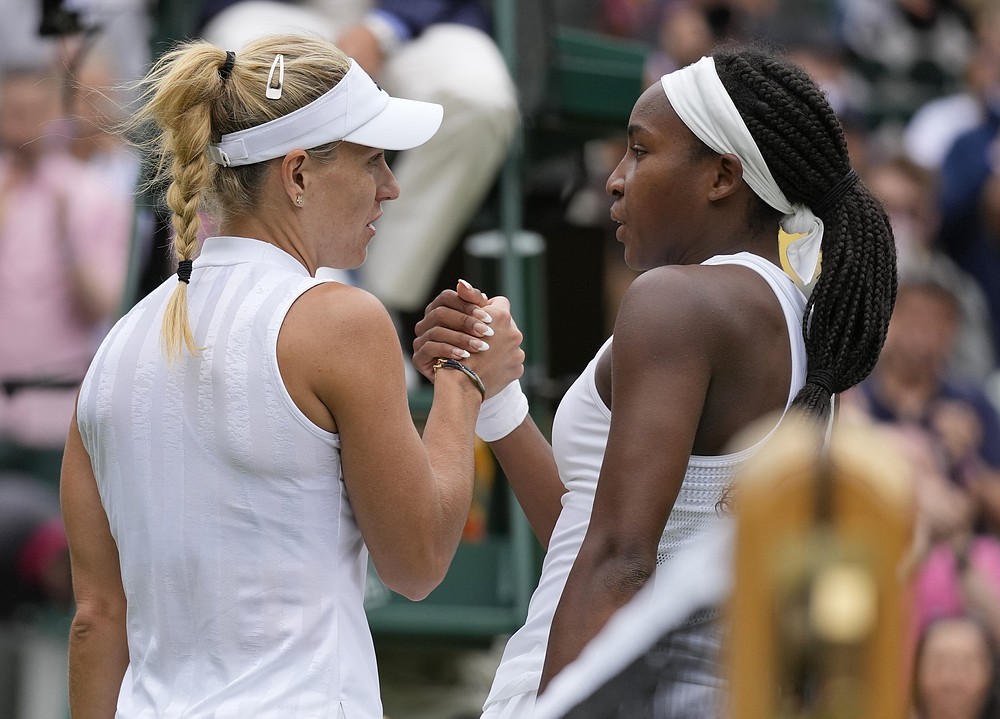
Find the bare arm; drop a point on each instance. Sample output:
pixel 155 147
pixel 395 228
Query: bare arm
pixel 660 378
pixel 410 495
pixel 450 322
pixel 98 651
pixel 530 468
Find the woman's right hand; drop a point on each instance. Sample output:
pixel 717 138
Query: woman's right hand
pixel 463 324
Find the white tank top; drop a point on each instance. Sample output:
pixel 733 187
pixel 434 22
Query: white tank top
pixel 242 563
pixel 579 439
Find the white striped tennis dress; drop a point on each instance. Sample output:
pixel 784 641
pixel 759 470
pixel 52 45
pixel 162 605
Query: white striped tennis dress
pixel 242 563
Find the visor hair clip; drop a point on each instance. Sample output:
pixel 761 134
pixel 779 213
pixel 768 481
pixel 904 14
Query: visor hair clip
pixel 272 92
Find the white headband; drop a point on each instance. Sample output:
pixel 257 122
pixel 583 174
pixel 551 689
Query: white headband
pixel 700 99
pixel 356 110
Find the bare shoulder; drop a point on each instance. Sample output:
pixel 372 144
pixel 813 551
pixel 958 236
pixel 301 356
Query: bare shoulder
pixel 713 334
pixel 678 295
pixel 338 353
pixel 702 305
pixel 338 318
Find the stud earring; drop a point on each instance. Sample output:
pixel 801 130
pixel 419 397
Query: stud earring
pixel 299 200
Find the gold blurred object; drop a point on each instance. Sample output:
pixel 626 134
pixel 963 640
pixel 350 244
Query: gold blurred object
pixel 819 609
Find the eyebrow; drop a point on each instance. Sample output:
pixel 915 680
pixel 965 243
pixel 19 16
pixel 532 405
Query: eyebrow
pixel 636 129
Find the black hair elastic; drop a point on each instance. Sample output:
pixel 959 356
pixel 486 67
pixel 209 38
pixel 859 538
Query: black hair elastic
pixel 830 199
pixel 821 378
pixel 184 271
pixel 227 68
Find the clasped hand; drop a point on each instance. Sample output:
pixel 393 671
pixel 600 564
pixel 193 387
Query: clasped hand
pixel 464 324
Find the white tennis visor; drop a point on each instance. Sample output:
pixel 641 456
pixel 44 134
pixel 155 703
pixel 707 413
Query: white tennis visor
pixel 356 110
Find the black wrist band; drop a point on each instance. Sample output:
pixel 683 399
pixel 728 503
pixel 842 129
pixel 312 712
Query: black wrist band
pixel 455 364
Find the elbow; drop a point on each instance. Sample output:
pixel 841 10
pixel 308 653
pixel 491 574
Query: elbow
pixel 94 617
pixel 417 578
pixel 413 587
pixel 416 591
pixel 621 567
pixel 631 576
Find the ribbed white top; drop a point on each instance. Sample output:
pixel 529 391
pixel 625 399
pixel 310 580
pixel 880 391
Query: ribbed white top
pixel 707 478
pixel 579 439
pixel 242 563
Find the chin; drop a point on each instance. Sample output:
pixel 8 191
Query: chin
pixel 634 263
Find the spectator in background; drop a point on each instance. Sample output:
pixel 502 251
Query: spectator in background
pixel 929 134
pixel 434 50
pixel 910 385
pixel 907 192
pixel 685 35
pixel 96 107
pixel 955 571
pixel 904 53
pixel 122 26
pixel 956 672
pixel 969 200
pixel 64 234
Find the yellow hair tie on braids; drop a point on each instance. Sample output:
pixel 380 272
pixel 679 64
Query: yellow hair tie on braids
pixel 785 239
pixel 823 205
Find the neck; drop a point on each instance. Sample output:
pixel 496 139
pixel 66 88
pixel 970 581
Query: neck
pixel 276 230
pixel 733 236
pixel 733 231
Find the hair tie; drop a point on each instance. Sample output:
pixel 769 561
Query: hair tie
pixel 830 199
pixel 184 271
pixel 821 378
pixel 227 67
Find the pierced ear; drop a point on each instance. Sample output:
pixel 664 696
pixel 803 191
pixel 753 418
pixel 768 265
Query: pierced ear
pixel 292 173
pixel 728 176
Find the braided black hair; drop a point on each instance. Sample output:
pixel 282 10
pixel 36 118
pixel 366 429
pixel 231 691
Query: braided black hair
pixel 803 144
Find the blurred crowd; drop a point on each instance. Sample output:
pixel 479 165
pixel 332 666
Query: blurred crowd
pixel 916 84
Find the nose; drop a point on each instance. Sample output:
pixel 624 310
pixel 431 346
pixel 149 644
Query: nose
pixel 615 185
pixel 388 188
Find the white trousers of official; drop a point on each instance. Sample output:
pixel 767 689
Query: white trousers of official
pixel 442 182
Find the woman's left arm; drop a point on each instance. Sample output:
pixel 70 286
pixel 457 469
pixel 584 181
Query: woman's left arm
pixel 661 367
pixel 98 651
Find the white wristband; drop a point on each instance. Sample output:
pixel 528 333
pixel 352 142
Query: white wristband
pixel 502 413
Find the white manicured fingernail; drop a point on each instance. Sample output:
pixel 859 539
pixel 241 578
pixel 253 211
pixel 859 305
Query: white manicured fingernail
pixel 479 345
pixel 461 354
pixel 482 315
pixel 463 282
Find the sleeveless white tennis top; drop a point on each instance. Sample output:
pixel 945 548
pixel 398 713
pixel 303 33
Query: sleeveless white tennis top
pixel 579 439
pixel 242 563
